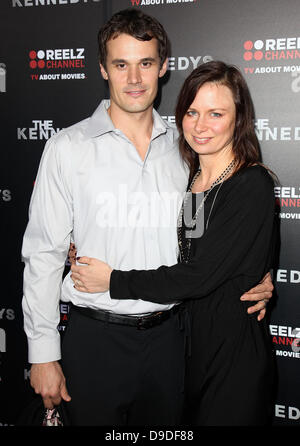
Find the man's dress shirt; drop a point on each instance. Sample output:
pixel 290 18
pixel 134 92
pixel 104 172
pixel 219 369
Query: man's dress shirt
pixel 93 188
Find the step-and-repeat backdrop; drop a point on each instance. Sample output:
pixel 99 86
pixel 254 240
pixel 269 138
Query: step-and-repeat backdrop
pixel 50 79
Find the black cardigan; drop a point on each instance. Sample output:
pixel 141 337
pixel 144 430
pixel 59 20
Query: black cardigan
pixel 235 249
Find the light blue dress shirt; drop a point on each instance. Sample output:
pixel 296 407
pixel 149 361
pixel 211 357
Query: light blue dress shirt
pixel 93 188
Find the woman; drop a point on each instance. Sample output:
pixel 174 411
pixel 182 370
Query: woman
pixel 225 236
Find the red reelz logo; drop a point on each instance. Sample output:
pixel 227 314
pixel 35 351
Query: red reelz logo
pixel 272 49
pixel 52 64
pixel 58 58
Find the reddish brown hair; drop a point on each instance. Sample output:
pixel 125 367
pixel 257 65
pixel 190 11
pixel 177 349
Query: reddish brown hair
pixel 245 143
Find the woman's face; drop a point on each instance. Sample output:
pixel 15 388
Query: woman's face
pixel 209 122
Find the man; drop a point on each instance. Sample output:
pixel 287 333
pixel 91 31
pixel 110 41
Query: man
pixel 110 181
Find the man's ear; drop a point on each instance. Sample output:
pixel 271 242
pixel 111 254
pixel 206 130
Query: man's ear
pixel 163 69
pixel 103 72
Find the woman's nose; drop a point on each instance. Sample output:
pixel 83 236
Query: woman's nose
pixel 200 125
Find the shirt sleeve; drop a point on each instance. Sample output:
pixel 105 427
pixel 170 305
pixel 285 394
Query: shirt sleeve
pixel 240 232
pixel 44 251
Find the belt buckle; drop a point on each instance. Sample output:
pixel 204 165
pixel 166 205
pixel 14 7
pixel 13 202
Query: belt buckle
pixel 140 325
pixel 149 322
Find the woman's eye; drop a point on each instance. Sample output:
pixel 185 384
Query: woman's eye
pixel 216 115
pixel 191 113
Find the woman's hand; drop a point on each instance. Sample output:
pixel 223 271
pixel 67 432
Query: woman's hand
pixel 93 276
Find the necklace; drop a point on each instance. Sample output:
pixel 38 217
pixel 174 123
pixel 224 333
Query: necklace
pixel 192 224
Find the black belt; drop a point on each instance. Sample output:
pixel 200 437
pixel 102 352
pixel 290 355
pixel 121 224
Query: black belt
pixel 140 322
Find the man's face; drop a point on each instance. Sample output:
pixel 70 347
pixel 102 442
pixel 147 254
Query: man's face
pixel 132 71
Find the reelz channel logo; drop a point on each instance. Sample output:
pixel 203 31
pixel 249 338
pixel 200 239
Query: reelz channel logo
pixel 45 62
pixel 2 78
pixel 273 51
pixel 286 341
pixel 288 200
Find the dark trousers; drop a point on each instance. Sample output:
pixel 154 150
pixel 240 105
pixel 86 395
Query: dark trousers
pixel 119 375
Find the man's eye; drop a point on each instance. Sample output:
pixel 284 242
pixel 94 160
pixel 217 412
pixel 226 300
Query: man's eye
pixel 121 66
pixel 146 64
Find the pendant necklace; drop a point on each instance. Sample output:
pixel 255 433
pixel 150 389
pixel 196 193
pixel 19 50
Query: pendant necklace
pixel 219 181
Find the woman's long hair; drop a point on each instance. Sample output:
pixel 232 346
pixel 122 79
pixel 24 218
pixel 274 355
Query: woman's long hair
pixel 245 144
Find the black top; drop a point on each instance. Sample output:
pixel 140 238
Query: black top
pixel 233 253
pixel 229 367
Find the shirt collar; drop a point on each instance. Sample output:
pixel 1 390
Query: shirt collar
pixel 160 126
pixel 100 123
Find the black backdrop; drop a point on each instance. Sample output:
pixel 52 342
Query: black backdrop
pixel 49 79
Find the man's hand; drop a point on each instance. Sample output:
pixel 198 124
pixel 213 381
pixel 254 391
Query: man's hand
pixel 92 277
pixel 261 293
pixel 48 380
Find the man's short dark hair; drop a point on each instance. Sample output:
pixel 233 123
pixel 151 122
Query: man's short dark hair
pixel 138 25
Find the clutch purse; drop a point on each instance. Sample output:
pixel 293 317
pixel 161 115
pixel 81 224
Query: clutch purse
pixel 35 414
pixel 52 418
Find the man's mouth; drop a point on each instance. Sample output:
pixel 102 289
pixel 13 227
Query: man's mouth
pixel 135 93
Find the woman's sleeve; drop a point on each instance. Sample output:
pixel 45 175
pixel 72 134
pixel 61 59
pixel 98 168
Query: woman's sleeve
pixel 242 226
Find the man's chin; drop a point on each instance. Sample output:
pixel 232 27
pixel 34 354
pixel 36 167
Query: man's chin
pixel 137 108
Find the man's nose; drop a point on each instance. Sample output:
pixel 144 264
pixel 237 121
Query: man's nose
pixel 134 75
